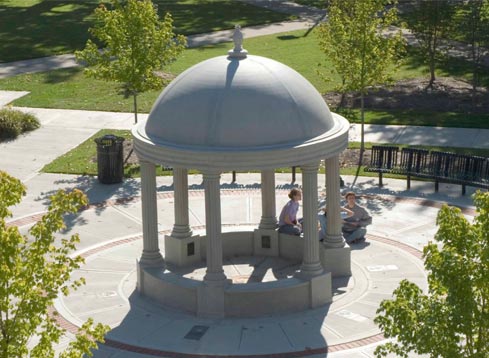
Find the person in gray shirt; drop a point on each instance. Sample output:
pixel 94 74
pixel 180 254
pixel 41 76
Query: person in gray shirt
pixel 354 227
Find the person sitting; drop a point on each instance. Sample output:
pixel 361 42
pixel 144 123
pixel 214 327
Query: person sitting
pixel 344 213
pixel 288 223
pixel 354 227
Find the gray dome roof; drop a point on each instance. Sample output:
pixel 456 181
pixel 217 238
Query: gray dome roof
pixel 239 113
pixel 238 103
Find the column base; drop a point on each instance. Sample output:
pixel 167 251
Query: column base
pixel 336 260
pixel 334 242
pixel 215 277
pixel 152 259
pixel 181 232
pixel 268 223
pixel 265 242
pixel 182 251
pixel 309 271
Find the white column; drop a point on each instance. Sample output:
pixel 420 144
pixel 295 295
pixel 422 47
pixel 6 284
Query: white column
pixel 268 207
pixel 311 265
pixel 334 236
pixel 151 255
pixel 215 271
pixel 181 228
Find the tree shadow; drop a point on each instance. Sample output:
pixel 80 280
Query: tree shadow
pixel 205 15
pixel 97 193
pixel 61 75
pixel 288 37
pixel 44 29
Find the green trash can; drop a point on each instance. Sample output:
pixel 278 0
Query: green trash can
pixel 110 160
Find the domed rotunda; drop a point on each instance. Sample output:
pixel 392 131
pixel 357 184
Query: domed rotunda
pixel 240 112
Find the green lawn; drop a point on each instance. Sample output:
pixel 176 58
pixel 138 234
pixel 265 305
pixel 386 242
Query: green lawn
pixel 82 159
pixel 420 118
pixel 38 28
pixel 69 88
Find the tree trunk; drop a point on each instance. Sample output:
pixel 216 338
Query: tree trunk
pixel 343 94
pixel 432 69
pixel 362 140
pixel 135 108
pixel 362 129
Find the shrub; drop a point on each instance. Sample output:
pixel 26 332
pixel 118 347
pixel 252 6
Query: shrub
pixel 13 123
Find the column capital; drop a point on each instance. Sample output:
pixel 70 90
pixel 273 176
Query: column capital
pixel 310 167
pixel 211 174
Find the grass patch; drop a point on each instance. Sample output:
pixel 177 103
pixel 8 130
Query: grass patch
pixel 82 159
pixel 70 89
pixel 13 123
pixel 35 28
pixel 419 118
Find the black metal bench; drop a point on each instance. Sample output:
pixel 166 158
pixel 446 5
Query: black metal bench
pixel 413 163
pixel 445 167
pixel 448 168
pixel 476 172
pixel 441 167
pixel 383 160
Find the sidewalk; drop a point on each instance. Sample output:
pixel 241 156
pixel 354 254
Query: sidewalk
pixel 308 17
pixel 61 130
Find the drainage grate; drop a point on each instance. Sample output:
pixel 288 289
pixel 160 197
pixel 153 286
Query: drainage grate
pixel 196 332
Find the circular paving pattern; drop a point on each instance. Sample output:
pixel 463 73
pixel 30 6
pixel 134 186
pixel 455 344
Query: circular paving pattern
pixel 143 327
pixel 110 297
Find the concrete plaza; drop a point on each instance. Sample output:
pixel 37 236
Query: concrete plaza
pixel 110 231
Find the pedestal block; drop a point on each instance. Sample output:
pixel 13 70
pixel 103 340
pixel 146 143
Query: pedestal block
pixel 182 251
pixel 336 260
pixel 210 299
pixel 265 242
pixel 321 290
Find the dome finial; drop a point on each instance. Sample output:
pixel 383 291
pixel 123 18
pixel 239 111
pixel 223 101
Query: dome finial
pixel 238 51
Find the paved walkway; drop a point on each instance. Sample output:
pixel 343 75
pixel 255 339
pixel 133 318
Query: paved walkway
pixel 403 223
pixel 63 130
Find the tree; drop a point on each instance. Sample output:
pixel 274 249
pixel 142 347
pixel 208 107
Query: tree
pixel 452 318
pixel 430 21
pixel 136 45
pixel 34 269
pixel 362 55
pixel 473 22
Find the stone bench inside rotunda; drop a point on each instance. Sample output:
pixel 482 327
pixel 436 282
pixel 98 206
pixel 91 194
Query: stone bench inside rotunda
pixel 174 288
